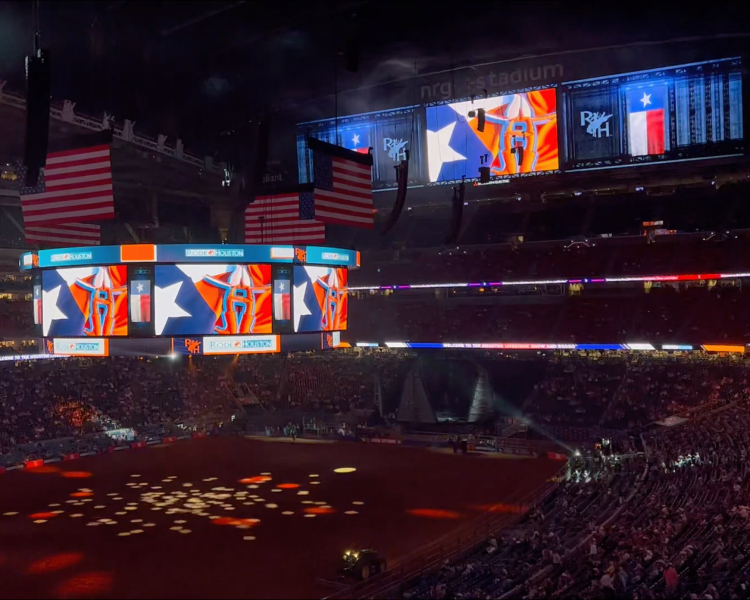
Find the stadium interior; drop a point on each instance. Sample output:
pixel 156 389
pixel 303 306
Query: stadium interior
pixel 462 298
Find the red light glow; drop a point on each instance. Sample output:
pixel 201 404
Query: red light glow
pixel 76 474
pixel 288 486
pixel 256 479
pixel 501 508
pixel 229 521
pixel 43 470
pixel 93 583
pixel 434 513
pixel 81 494
pixel 55 562
pixel 319 510
pixel 43 515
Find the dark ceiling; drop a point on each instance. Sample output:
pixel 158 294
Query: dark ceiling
pixel 197 68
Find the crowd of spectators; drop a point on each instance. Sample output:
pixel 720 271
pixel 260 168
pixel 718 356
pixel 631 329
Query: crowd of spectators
pixel 47 399
pixel 562 260
pixel 694 315
pixel 628 391
pixel 61 398
pixel 664 514
pixel 672 521
pixel 16 317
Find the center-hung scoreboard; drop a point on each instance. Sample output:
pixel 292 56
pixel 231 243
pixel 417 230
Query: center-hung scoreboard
pixel 157 299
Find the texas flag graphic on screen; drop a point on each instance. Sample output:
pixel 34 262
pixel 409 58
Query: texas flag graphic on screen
pixel 646 120
pixel 282 306
pixel 356 139
pixel 140 301
pixel 37 305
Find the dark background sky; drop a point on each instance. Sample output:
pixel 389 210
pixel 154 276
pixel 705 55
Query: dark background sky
pixel 194 69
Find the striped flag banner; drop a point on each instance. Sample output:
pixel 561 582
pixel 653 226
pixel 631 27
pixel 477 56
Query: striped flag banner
pixel 283 219
pixel 75 187
pixel 69 234
pixel 343 185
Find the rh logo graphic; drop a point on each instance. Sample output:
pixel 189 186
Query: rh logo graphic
pixel 193 346
pixel 395 148
pixel 596 123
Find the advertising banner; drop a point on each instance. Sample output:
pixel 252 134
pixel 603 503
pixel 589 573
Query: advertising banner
pixel 259 344
pixel 80 347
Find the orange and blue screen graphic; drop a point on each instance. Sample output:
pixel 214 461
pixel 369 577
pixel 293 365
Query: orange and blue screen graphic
pixel 320 299
pixel 519 137
pixel 85 301
pixel 206 299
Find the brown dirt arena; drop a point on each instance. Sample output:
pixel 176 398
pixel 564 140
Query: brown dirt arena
pixel 183 538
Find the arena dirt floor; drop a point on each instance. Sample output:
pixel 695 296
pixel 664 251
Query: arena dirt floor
pixel 233 517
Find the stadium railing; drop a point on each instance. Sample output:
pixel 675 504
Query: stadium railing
pixel 66 113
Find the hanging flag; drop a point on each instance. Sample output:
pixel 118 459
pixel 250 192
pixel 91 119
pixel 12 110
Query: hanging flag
pixel 286 218
pixel 342 181
pixel 140 301
pixel 76 186
pixel 646 120
pixel 68 234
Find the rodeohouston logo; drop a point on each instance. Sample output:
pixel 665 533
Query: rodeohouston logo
pixel 214 253
pixel 240 345
pixel 79 347
pixel 335 256
pixel 489 82
pixel 69 256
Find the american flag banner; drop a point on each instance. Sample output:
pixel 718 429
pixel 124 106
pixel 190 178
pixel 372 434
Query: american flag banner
pixel 286 218
pixel 343 185
pixel 76 187
pixel 69 234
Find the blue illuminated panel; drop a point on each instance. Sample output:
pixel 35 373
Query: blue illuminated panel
pixel 684 112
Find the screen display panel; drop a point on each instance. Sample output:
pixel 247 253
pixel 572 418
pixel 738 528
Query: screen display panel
pixel 683 112
pixel 320 299
pixel 85 301
pixel 519 136
pixel 207 299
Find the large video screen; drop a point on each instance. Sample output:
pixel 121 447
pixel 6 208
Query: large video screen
pixel 85 301
pixel 668 114
pixel 390 134
pixel 320 299
pixel 519 137
pixel 206 299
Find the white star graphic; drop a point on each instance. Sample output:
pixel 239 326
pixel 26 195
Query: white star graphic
pixel 166 306
pixel 281 286
pixel 355 139
pixel 646 100
pixel 439 150
pixel 73 274
pixel 140 287
pixel 50 310
pixel 300 308
pixel 198 272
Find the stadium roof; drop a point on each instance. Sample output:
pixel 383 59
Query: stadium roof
pixel 195 69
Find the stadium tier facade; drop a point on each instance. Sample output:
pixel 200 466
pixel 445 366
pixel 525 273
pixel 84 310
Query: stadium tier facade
pixel 170 299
